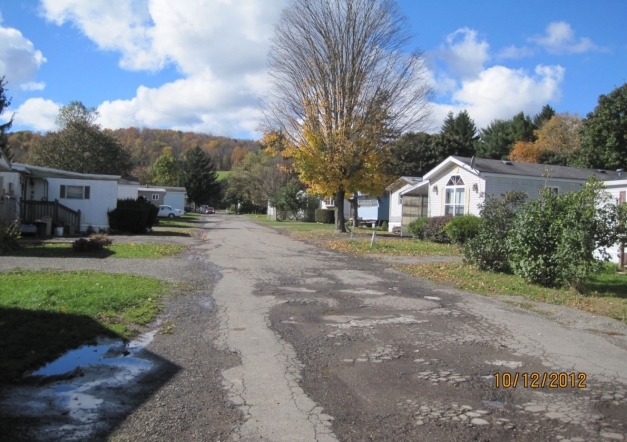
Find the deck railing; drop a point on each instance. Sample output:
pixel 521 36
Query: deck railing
pixel 61 215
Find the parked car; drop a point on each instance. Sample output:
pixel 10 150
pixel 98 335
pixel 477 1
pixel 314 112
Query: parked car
pixel 210 210
pixel 169 212
pixel 201 209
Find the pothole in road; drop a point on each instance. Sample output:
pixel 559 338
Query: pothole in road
pixel 68 397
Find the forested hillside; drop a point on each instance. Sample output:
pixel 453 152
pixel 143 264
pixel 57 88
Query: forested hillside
pixel 146 145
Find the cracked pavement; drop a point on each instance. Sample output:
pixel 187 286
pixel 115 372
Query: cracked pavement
pixel 290 342
pixel 338 347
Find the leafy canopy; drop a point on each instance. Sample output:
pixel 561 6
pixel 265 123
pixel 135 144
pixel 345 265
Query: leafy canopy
pixel 80 146
pixel 4 128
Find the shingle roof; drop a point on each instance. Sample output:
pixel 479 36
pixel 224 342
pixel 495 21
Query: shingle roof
pixel 484 165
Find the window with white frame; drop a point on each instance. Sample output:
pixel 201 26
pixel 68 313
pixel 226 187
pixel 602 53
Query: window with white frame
pixel 155 196
pixel 75 192
pixel 455 196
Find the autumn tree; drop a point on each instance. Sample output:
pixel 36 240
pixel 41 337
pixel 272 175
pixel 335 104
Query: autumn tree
pixel 604 133
pixel 556 141
pixel 342 88
pixel 255 179
pixel 80 145
pixel 4 128
pixel 199 177
pixel 165 171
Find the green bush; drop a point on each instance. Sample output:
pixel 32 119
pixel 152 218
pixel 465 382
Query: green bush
pixel 434 229
pixel 133 216
pixel 462 228
pixel 417 227
pixel 325 216
pixel 384 226
pixel 553 240
pixel 9 234
pixel 488 249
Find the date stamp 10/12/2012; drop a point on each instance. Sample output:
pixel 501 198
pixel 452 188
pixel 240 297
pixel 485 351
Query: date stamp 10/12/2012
pixel 540 380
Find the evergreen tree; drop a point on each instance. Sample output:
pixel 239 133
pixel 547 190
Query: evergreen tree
pixel 495 141
pixel 463 128
pixel 199 177
pixel 544 116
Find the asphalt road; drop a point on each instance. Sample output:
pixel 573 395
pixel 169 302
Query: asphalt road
pixel 290 342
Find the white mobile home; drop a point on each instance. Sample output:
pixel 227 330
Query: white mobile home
pixel 73 199
pixel 128 187
pixel 618 189
pixel 175 197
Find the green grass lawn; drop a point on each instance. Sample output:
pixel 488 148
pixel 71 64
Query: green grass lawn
pixel 396 246
pixel 223 174
pixel 46 313
pixel 605 294
pixel 120 250
pixel 188 221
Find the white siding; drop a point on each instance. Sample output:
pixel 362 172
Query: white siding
pixel 614 188
pixel 496 185
pixel 126 191
pixel 103 197
pixel 436 200
pixel 174 199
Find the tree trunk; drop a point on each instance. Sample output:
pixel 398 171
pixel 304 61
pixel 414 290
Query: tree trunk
pixel 355 209
pixel 339 211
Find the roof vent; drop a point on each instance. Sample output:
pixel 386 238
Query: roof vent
pixel 601 171
pixel 509 163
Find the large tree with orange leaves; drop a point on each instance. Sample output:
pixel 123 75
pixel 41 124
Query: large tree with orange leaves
pixel 343 88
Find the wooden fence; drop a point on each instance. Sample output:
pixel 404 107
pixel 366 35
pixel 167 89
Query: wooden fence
pixel 60 214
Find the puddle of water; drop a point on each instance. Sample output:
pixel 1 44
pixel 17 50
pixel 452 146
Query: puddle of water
pixel 494 404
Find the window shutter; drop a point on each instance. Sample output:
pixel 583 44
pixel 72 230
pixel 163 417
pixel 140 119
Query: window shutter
pixel 62 191
pixel 621 196
pixel 87 191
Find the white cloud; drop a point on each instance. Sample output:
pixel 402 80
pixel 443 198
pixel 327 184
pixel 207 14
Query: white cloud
pixel 219 46
pixel 33 86
pixel 202 102
pixel 38 114
pixel 501 92
pixel 19 60
pixel 560 38
pixel 464 54
pixel 515 52
pixel 225 35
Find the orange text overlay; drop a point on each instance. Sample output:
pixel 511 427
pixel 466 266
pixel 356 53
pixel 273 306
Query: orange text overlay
pixel 540 380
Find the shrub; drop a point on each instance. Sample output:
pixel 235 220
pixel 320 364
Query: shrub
pixel 462 228
pixel 133 216
pixel 325 216
pixel 434 229
pixel 417 227
pixel 384 226
pixel 9 234
pixel 553 240
pixel 93 244
pixel 488 249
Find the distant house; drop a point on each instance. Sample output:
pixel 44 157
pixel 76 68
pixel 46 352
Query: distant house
pixel 156 195
pixel 373 209
pixel 395 200
pixel 175 197
pixel 329 203
pixel 458 185
pixel 71 199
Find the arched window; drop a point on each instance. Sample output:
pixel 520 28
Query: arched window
pixel 455 196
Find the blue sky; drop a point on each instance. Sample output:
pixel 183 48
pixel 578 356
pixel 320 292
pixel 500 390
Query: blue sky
pixel 200 64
